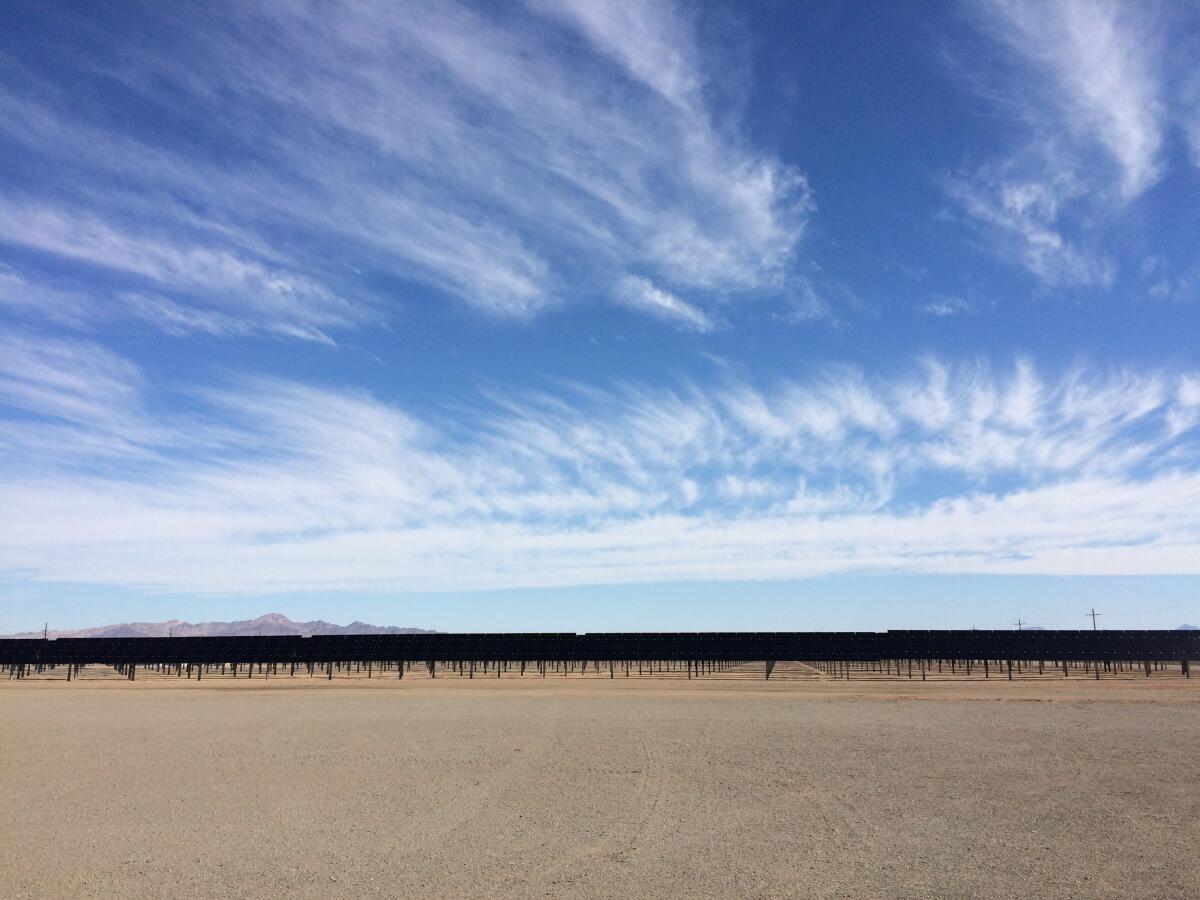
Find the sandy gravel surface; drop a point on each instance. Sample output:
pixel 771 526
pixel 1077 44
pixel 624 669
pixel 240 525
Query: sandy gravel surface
pixel 599 788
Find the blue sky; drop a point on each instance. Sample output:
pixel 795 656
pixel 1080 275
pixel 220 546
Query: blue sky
pixel 586 316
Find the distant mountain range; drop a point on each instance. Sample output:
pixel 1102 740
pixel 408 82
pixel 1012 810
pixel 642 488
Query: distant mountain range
pixel 270 624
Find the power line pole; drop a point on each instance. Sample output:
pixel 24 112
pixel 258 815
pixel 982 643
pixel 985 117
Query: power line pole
pixel 1093 615
pixel 46 632
pixel 1019 624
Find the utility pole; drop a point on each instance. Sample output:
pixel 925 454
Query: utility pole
pixel 1093 615
pixel 46 632
pixel 1019 624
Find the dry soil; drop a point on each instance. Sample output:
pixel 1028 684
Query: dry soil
pixel 600 788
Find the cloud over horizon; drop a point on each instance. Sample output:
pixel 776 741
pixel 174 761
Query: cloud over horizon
pixel 276 484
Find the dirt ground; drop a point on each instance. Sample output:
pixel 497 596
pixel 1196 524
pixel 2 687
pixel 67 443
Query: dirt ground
pixel 803 786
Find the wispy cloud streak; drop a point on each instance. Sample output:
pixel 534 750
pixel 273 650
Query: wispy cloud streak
pixel 465 149
pixel 1098 56
pixel 642 295
pixel 1083 81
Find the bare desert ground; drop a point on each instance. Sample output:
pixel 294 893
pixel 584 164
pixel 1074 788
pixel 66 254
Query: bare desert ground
pixel 805 786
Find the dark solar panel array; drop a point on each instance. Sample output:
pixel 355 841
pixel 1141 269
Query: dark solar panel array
pixel 711 646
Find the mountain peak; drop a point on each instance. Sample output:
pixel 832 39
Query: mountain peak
pixel 268 624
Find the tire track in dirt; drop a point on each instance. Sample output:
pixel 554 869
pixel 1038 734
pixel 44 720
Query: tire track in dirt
pixel 645 816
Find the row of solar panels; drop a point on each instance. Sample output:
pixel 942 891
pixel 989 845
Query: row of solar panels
pixel 1074 645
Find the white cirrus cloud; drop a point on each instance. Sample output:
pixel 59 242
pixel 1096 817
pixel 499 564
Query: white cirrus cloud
pixel 1098 57
pixel 641 295
pixel 270 484
pixel 1018 210
pixel 1087 85
pixel 497 157
pixel 943 306
pixel 222 284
